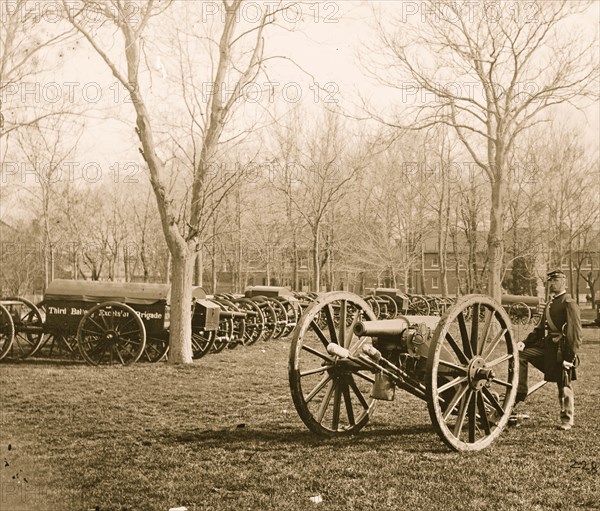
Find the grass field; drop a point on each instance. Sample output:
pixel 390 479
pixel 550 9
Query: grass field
pixel 223 435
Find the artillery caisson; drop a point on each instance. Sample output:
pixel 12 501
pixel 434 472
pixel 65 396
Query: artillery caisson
pixel 113 322
pixel 463 364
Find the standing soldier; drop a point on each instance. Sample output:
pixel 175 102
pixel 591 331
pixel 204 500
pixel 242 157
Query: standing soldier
pixel 552 348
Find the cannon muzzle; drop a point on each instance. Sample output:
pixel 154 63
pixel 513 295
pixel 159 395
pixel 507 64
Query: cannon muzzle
pixel 381 327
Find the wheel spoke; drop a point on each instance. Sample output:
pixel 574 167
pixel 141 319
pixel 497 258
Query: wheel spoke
pixel 472 418
pixel 456 381
pixel 456 348
pixel 101 328
pixel 348 403
pixel 129 332
pixel 483 414
pixel 499 360
pixel 462 412
pixel 316 370
pixel 503 383
pixel 455 399
pixel 462 325
pixel 491 399
pixel 337 395
pixel 350 331
pixel 317 353
pixel 358 394
pixel 486 331
pixel 329 317
pixel 317 329
pixel 342 327
pixel 474 329
pixel 318 387
pixel 326 399
pixel 119 355
pixel 494 343
pixel 459 369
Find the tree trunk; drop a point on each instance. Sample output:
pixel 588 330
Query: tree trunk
pixel 316 260
pixel 181 299
pixel 295 272
pixel 422 269
pixel 199 268
pixel 213 269
pixel 495 249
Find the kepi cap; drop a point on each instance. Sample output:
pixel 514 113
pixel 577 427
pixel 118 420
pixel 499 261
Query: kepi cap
pixel 555 274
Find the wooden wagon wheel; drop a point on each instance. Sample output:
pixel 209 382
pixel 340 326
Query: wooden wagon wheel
pixel 374 304
pixel 281 316
pixel 236 334
pixel 255 320
pixel 111 332
pixel 28 325
pixel 293 311
pixel 270 324
pixel 157 347
pixel 7 331
pixel 224 331
pixel 418 306
pixel 519 313
pixel 472 371
pixel 202 342
pixel 54 344
pixel 223 335
pixel 331 394
pixel 390 311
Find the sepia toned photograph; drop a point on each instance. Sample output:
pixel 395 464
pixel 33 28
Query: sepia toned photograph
pixel 290 255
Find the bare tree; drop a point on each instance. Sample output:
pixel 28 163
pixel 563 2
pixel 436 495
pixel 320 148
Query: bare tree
pixel 323 171
pixel 46 156
pixel 237 59
pixel 489 79
pixel 25 43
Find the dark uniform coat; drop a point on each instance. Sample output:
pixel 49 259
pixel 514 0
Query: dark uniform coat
pixel 559 335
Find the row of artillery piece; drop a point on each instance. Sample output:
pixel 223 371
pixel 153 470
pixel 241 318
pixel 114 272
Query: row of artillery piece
pixel 346 354
pixel 103 322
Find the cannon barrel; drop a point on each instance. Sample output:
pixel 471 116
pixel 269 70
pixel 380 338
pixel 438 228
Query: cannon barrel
pixel 381 327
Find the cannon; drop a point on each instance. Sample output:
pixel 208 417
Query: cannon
pixel 464 364
pixel 286 306
pixel 523 310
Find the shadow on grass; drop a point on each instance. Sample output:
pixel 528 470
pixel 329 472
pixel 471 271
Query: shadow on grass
pixel 58 362
pixel 414 438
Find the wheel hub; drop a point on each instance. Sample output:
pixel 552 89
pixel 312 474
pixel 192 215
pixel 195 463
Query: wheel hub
pixel 478 374
pixel 111 336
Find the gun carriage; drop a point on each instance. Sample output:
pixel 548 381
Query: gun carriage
pixel 523 310
pixel 464 365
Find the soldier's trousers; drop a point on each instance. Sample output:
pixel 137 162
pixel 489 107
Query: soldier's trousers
pixel 535 356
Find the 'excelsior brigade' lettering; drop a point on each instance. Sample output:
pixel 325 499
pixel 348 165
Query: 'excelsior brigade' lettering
pixel 149 315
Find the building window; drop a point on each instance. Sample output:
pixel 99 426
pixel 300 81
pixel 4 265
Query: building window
pixel 303 261
pixel 435 282
pixel 435 260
